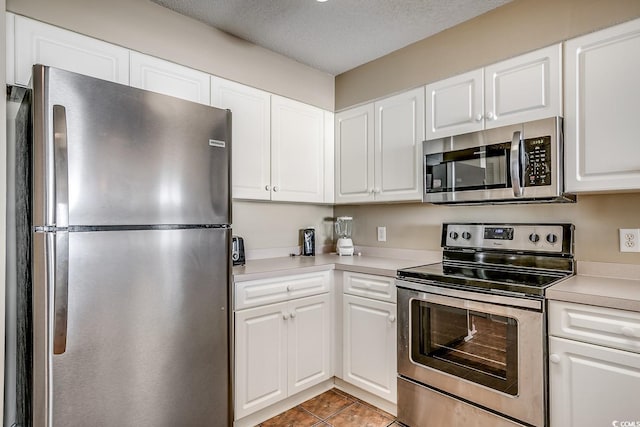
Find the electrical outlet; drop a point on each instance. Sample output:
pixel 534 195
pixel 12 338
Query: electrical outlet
pixel 630 240
pixel 382 234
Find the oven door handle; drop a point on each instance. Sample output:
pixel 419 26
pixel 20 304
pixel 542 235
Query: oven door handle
pixel 516 166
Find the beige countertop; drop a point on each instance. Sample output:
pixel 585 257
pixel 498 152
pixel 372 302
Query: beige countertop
pixel 599 287
pixel 612 292
pixel 271 267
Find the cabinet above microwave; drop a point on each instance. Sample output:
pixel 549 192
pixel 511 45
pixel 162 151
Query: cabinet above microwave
pixel 520 89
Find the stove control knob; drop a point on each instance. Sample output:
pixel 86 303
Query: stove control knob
pixel 466 235
pixel 552 238
pixel 453 235
pixel 534 237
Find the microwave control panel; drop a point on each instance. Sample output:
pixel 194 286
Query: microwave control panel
pixel 537 164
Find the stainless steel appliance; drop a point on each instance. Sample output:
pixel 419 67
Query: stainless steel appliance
pixel 513 164
pixel 308 240
pixel 472 332
pixel 344 227
pixel 123 317
pixel 237 250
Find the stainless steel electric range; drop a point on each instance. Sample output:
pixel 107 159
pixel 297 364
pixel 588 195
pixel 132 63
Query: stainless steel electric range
pixel 472 332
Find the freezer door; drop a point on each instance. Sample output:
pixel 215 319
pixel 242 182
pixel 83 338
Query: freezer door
pixel 108 154
pixel 146 329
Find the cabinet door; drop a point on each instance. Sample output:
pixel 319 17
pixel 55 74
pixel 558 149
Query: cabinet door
pixel 369 345
pixel 524 88
pixel 297 151
pixel 602 151
pixel 329 158
pixel 399 132
pixel 168 78
pixel 309 353
pixel 261 357
pixel 455 105
pixel 591 385
pixel 251 137
pixel 38 43
pixel 355 155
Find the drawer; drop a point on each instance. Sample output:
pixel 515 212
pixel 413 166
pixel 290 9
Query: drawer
pixel 369 286
pixel 596 325
pixel 253 293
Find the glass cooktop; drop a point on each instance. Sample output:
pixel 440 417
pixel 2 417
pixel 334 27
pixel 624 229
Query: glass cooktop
pixel 483 278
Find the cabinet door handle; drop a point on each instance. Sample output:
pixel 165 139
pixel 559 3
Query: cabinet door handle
pixel 490 115
pixel 376 190
pixel 289 288
pixel 479 118
pixel 285 316
pixel 391 318
pixel 554 358
pixel 267 187
pixel 293 314
pixel 275 188
pixel 371 190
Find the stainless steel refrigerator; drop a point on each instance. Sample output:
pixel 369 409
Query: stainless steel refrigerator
pixel 129 236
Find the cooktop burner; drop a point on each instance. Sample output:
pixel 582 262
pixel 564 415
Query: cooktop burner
pixel 513 259
pixel 483 278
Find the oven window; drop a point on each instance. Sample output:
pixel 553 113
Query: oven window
pixel 471 169
pixel 476 346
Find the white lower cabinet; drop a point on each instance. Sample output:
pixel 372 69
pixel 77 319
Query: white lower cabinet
pixel 280 350
pixel 369 345
pixel 594 365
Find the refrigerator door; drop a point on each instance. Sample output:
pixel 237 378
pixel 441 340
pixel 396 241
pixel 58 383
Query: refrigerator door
pixel 145 328
pixel 108 154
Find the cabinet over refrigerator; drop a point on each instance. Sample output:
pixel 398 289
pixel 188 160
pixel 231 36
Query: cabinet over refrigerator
pixel 124 300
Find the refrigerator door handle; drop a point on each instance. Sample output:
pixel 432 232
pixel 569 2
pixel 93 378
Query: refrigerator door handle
pixel 61 219
pixel 58 262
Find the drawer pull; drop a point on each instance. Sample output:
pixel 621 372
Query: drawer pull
pixel 293 314
pixel 285 316
pixel 554 358
pixel 392 318
pixel 628 331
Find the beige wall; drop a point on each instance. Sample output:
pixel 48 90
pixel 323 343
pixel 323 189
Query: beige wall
pixel 515 28
pixel 266 225
pixel 418 226
pixel 146 27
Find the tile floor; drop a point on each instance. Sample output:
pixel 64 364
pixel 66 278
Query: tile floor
pixel 333 408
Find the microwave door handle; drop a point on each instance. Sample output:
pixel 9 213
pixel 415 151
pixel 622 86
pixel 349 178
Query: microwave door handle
pixel 515 164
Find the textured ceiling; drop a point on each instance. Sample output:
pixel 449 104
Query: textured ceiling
pixel 337 35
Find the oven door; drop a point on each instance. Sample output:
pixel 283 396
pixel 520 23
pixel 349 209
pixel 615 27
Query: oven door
pixel 484 352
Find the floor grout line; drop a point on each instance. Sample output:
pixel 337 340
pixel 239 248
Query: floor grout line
pixel 322 422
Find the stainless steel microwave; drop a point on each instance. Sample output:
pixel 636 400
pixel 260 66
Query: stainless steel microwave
pixel 511 164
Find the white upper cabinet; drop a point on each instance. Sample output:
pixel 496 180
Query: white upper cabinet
pixel 39 43
pixel 251 137
pixel 378 150
pixel 297 151
pixel 168 78
pixel 602 125
pixel 399 132
pixel 527 87
pixel 454 105
pixel 354 155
